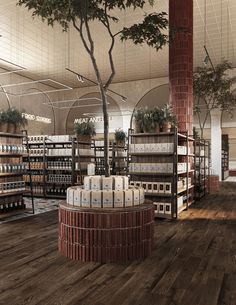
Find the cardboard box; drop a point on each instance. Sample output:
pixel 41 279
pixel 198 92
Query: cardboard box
pixel 161 208
pixel 107 183
pixel 149 187
pixel 167 187
pixel 107 199
pixel 168 208
pixel 77 197
pixel 155 187
pixel 161 187
pixel 128 198
pixel 86 198
pixel 118 199
pixel 96 200
pixel 136 198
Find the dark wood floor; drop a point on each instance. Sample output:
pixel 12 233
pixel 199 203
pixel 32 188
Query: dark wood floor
pixel 193 263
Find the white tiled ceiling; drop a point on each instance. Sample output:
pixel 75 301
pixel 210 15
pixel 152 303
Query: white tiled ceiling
pixel 45 52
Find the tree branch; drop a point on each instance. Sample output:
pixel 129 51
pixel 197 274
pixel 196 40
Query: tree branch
pixel 110 51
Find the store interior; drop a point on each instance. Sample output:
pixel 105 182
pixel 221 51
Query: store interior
pixel 117 185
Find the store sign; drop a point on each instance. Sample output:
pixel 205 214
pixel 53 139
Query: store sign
pixel 96 119
pixel 37 118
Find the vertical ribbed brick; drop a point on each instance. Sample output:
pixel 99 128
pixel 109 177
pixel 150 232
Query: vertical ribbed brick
pixel 103 236
pixel 181 62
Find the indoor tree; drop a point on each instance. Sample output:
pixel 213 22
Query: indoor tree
pixel 82 13
pixel 213 90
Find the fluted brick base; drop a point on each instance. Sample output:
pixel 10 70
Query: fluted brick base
pixel 111 235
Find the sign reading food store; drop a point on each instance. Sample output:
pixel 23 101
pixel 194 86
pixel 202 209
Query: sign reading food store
pixel 37 118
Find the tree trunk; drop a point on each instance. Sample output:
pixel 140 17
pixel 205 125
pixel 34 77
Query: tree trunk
pixel 106 130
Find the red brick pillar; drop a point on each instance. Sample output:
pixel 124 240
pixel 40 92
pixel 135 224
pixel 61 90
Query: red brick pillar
pixel 181 63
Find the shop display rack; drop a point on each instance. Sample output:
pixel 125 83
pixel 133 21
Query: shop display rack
pixel 202 167
pixel 12 169
pixel 225 156
pixel 162 163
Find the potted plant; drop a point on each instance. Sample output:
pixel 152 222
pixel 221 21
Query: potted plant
pixel 120 137
pixel 147 120
pixel 3 121
pixel 167 118
pixel 85 131
pixel 11 120
pixel 15 120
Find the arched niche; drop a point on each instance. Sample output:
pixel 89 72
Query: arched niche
pixel 89 107
pixel 157 96
pixel 39 106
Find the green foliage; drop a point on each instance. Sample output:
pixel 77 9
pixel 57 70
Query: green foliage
pixel 85 129
pixel 3 117
pixel 13 116
pixel 167 116
pixel 64 12
pixel 212 90
pixel 120 135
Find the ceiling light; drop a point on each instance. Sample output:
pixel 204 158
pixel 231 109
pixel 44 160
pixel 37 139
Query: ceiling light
pixel 16 68
pixel 42 82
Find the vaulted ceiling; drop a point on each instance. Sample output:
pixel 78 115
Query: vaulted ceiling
pixel 45 52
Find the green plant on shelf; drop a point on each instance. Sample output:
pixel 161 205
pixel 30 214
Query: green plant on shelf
pixel 11 120
pixel 167 118
pixel 85 130
pixel 120 136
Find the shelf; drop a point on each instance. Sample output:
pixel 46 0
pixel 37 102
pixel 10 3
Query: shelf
pixel 11 155
pixel 182 208
pixel 61 156
pixel 13 193
pixel 184 190
pixel 35 182
pixel 157 194
pixel 11 135
pixel 59 169
pixel 11 174
pixel 150 174
pixel 152 154
pixel 151 134
pixel 85 156
pixel 59 183
pixel 55 196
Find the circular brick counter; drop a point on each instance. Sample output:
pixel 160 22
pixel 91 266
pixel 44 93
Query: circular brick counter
pixel 106 235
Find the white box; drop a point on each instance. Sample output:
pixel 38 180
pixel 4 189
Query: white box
pixel 167 188
pixel 138 183
pixel 96 200
pixel 85 198
pixel 155 187
pixel 164 147
pixel 118 199
pixel 118 183
pixel 125 183
pixel 77 197
pixel 144 186
pixel 171 147
pixel 180 201
pixel 107 199
pixel 149 187
pixel 137 167
pixel 128 198
pixel 161 208
pixel 107 183
pixel 87 183
pixel 96 183
pixel 141 195
pixel 161 187
pixel 147 148
pixel 132 183
pixel 168 208
pixel 136 198
pixel 70 196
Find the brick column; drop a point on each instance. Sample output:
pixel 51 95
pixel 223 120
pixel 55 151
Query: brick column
pixel 181 63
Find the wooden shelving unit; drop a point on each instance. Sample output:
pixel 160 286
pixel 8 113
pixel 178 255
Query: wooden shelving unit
pixel 225 156
pixel 56 165
pixel 12 169
pixel 202 167
pixel 162 163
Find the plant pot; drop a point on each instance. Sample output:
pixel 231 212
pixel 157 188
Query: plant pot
pixel 157 129
pixel 120 143
pixel 17 129
pixel 137 128
pixel 11 128
pixel 166 127
pixel 4 127
pixel 84 138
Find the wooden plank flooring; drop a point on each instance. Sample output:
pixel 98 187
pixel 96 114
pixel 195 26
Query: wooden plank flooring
pixel 193 263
